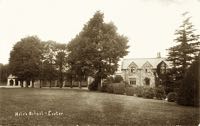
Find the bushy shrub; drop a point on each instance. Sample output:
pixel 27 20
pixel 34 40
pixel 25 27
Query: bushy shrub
pixel 117 79
pixel 109 88
pixel 118 88
pixel 188 93
pixel 148 92
pixel 139 91
pixel 159 92
pixel 172 97
pixel 169 86
pixel 130 91
pixel 109 79
pixel 93 86
pixel 103 88
pixel 127 84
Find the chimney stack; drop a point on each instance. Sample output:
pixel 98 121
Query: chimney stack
pixel 158 55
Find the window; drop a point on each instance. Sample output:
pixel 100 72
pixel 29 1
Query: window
pixel 148 70
pixel 132 81
pixel 133 70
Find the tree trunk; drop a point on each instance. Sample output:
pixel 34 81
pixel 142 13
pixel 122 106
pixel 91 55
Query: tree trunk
pixel 71 83
pixel 21 83
pixel 33 84
pixel 50 84
pixel 98 83
pixel 40 83
pixel 80 85
pixel 27 83
pixel 61 83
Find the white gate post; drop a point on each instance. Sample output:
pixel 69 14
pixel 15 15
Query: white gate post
pixel 8 82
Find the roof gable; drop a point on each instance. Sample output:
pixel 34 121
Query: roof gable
pixel 141 61
pixel 147 65
pixel 132 65
pixel 163 63
pixel 11 76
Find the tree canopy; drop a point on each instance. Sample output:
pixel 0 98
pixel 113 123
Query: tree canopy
pixel 32 59
pixel 96 50
pixel 25 57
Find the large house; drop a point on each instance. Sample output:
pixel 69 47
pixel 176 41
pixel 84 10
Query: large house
pixel 143 71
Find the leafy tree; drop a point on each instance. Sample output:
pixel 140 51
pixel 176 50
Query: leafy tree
pixel 47 67
pixel 25 59
pixel 79 65
pixel 184 53
pixel 96 50
pixel 61 64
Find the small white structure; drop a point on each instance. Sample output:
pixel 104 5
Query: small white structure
pixel 90 80
pixel 12 81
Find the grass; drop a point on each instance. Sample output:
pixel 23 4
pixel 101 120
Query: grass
pixel 3 83
pixel 81 107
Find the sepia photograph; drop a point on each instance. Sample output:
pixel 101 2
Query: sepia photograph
pixel 99 62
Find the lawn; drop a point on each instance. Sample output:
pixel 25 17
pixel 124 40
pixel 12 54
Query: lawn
pixel 82 107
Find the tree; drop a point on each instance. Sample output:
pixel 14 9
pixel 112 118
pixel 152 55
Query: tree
pixel 25 59
pixel 61 64
pixel 96 50
pixel 47 67
pixel 185 52
pixel 78 64
pixel 189 89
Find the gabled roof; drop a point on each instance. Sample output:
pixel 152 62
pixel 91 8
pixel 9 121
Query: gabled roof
pixel 147 64
pixel 141 61
pixel 12 76
pixel 132 64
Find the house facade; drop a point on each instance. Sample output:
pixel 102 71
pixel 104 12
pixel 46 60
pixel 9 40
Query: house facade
pixel 143 71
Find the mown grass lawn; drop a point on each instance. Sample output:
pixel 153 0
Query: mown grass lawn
pixel 89 108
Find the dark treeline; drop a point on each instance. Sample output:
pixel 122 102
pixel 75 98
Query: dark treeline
pixel 95 52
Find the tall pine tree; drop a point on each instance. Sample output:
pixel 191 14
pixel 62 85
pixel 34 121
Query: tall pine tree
pixel 185 52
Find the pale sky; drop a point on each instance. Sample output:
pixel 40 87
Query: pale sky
pixel 149 24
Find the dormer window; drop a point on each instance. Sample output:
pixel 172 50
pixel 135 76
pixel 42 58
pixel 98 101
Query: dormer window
pixel 133 70
pixel 147 67
pixel 147 70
